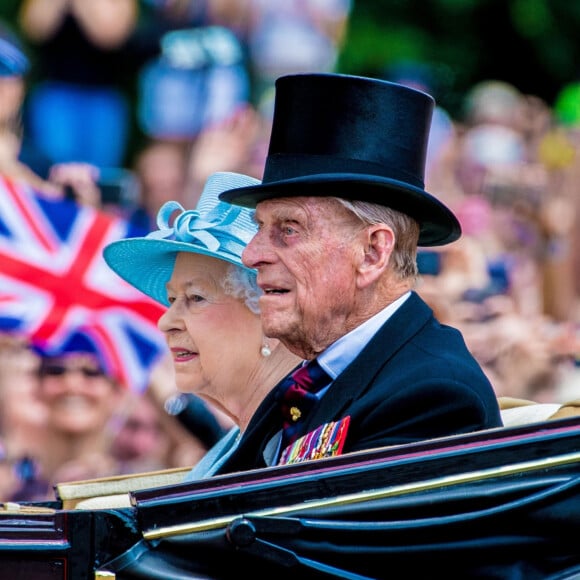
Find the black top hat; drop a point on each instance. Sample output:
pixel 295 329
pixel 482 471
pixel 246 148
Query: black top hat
pixel 356 138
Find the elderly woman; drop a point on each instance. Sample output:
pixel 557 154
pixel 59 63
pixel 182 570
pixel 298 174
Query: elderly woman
pixel 212 323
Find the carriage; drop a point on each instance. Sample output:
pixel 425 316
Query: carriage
pixel 500 503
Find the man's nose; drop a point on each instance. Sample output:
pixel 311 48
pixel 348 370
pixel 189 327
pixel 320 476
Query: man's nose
pixel 254 252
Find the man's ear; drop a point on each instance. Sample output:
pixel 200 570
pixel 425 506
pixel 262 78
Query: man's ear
pixel 378 247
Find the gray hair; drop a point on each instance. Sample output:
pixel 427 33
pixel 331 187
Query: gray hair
pixel 241 283
pixel 406 231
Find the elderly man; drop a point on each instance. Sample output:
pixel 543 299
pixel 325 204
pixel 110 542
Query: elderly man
pixel 341 211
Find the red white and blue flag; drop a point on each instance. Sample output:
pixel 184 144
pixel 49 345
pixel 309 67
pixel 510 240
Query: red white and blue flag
pixel 57 291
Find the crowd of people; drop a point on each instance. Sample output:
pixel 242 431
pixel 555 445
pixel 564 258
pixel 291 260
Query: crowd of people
pixel 512 283
pixel 507 168
pixel 64 418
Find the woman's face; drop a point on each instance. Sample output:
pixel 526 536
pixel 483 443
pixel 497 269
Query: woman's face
pixel 80 398
pixel 214 339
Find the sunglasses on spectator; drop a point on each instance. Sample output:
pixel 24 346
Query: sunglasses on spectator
pixel 55 370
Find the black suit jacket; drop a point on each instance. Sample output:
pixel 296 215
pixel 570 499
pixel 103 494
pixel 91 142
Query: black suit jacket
pixel 414 380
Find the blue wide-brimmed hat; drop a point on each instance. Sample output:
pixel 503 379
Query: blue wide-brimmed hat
pixel 352 137
pixel 214 228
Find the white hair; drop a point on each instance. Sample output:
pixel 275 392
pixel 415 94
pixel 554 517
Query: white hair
pixel 406 231
pixel 241 283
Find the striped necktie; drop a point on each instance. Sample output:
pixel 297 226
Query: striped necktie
pixel 298 396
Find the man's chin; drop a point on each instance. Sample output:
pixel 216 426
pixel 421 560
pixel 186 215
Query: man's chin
pixel 274 325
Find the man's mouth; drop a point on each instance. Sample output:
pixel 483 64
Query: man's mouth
pixel 270 290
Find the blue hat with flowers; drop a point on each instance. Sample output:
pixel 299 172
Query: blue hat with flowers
pixel 214 228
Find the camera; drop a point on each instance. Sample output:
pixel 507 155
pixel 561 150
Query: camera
pixel 117 186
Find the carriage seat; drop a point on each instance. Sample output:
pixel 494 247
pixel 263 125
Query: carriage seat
pixel 523 411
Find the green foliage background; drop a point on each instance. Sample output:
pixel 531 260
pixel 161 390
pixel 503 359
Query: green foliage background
pixel 533 44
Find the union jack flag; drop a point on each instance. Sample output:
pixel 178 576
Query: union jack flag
pixel 57 291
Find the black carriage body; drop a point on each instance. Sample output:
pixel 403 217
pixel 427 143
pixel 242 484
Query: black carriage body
pixel 503 503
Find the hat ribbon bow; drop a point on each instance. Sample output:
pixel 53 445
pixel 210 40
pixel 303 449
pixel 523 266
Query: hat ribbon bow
pixel 190 226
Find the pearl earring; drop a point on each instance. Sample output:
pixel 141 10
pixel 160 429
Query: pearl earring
pixel 265 352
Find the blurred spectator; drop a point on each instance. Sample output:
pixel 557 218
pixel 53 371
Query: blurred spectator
pixel 78 108
pixel 148 439
pixel 192 100
pixel 237 144
pixel 160 168
pixel 293 36
pixel 80 179
pixel 22 421
pixel 19 158
pixel 62 418
pixel 114 190
pixel 163 429
pixel 82 402
pixel 526 356
pixel 177 170
pixel 199 79
pixel 139 443
pixel 156 18
pixel 165 170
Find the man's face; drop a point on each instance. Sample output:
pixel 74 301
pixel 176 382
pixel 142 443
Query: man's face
pixel 306 251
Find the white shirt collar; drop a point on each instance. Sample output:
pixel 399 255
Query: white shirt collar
pixel 342 352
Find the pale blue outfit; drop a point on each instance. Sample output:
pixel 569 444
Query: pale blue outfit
pixel 216 456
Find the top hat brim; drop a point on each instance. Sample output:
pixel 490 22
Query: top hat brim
pixel 438 225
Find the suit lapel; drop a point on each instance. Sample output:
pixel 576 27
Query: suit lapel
pixel 358 376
